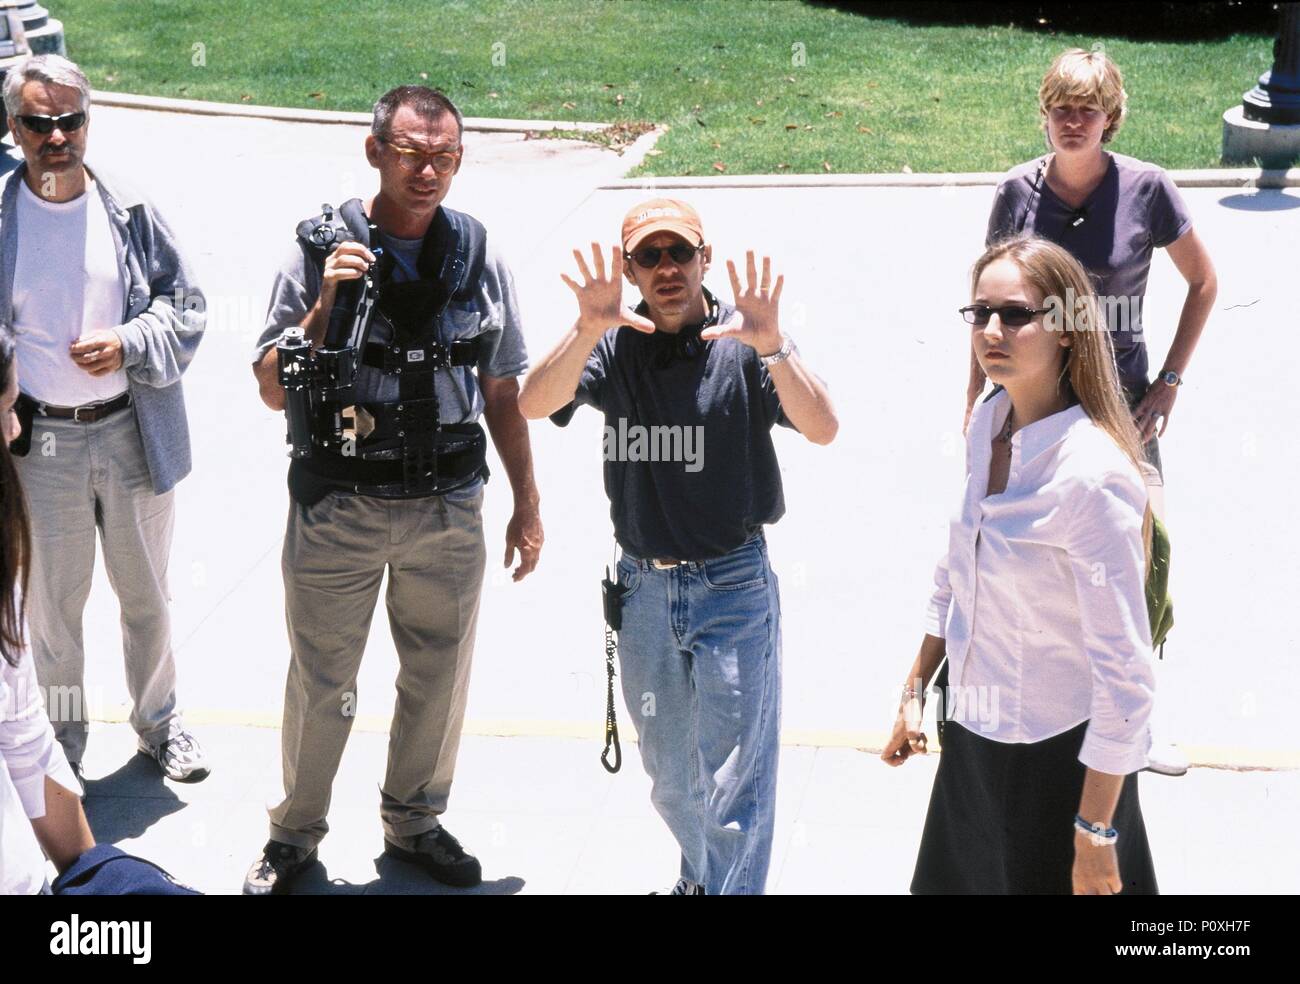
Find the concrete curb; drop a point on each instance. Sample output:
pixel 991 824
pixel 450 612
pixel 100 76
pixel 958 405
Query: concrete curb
pixel 1243 177
pixel 636 152
pixel 868 742
pixel 198 107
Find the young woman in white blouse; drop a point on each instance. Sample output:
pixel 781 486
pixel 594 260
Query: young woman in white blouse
pixel 1039 607
pixel 40 808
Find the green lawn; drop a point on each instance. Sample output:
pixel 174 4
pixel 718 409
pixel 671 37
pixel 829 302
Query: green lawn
pixel 746 87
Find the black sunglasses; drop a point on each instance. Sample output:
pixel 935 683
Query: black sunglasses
pixel 46 124
pixel 649 256
pixel 1011 315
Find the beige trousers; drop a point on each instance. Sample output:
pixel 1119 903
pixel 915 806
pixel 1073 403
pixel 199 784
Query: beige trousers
pixel 85 481
pixel 335 555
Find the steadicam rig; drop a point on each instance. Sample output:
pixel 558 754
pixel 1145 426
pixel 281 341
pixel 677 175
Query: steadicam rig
pixel 318 383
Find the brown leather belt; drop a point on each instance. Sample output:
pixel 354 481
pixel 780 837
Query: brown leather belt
pixel 87 414
pixel 666 564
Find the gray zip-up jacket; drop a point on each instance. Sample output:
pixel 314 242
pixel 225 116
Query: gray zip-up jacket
pixel 162 321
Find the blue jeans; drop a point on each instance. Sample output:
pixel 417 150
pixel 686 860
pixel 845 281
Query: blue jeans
pixel 700 652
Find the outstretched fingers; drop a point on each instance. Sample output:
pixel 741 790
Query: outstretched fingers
pixel 731 328
pixel 735 279
pixel 634 320
pixel 582 267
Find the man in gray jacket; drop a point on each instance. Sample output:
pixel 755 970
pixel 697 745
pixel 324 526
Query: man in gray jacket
pixel 106 317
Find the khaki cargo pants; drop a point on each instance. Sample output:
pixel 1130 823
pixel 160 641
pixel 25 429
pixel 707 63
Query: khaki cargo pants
pixel 335 555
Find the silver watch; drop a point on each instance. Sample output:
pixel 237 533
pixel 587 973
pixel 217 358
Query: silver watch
pixel 1171 378
pixel 781 354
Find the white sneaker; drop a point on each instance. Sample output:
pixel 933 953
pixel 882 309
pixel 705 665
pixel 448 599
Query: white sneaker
pixel 683 887
pixel 1167 759
pixel 180 757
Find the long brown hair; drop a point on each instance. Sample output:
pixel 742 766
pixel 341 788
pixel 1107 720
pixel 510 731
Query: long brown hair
pixel 15 534
pixel 1089 362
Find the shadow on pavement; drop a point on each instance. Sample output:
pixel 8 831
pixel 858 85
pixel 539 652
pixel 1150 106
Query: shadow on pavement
pixel 1264 201
pixel 395 878
pixel 126 803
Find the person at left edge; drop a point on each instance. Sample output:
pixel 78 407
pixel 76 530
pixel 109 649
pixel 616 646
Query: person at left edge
pixel 350 518
pixel 107 317
pixel 39 808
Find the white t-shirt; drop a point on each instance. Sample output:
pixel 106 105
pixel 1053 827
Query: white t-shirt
pixel 66 282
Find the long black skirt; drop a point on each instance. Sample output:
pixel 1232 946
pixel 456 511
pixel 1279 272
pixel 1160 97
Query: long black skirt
pixel 1001 820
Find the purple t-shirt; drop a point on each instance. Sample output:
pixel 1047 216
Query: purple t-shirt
pixel 1134 210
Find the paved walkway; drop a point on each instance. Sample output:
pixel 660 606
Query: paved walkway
pixel 874 277
pixel 544 817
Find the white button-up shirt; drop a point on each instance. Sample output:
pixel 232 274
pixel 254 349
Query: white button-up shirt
pixel 28 753
pixel 1041 597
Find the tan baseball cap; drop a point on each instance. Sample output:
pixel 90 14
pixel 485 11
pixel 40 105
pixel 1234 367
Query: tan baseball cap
pixel 661 215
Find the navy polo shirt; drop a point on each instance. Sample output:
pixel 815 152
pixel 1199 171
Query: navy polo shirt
pixel 690 469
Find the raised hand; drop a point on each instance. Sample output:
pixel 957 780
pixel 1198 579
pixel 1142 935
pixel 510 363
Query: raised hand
pixel 600 297
pixel 755 322
pixel 348 261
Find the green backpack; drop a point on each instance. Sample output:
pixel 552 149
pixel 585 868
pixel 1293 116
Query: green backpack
pixel 1160 607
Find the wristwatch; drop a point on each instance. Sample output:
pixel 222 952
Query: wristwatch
pixel 781 354
pixel 1171 378
pixel 1098 834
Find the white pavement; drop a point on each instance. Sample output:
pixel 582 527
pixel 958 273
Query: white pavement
pixel 544 817
pixel 874 277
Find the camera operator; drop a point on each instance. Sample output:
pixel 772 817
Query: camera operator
pixel 403 492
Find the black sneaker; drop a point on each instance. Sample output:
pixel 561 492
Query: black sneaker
pixel 440 854
pixel 276 869
pixel 683 887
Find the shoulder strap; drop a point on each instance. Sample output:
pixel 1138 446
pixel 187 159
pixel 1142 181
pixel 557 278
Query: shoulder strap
pixel 1035 192
pixel 465 254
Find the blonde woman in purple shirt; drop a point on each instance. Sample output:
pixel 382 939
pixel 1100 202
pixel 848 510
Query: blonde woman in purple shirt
pixel 1112 213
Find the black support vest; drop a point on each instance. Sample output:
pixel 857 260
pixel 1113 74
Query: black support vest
pixel 410 452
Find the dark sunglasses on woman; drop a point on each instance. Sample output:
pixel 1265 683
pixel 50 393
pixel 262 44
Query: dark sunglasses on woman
pixel 649 256
pixel 1011 315
pixel 46 124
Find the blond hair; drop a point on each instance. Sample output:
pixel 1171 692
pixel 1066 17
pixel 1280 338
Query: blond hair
pixel 1090 358
pixel 1079 76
